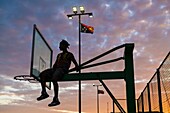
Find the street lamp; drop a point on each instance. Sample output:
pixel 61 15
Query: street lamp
pixel 82 12
pixel 97 96
pixel 70 16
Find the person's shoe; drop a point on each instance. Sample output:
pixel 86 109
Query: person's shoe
pixel 54 103
pixel 43 96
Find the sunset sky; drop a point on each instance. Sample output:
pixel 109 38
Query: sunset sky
pixel 146 23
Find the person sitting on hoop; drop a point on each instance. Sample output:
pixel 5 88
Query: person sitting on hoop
pixel 60 67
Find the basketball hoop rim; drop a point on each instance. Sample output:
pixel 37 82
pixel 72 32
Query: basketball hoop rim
pixel 26 78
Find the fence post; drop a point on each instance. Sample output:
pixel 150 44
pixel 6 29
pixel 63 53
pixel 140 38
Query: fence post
pixel 159 91
pixel 142 103
pixel 149 98
pixel 138 104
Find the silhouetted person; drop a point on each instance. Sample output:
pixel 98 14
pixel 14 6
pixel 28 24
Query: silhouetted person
pixel 60 67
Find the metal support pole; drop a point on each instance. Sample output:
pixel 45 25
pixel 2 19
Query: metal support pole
pixel 113 98
pixel 79 17
pixel 138 105
pixel 142 103
pixel 159 91
pixel 79 62
pixel 97 100
pixel 129 78
pixel 113 107
pixel 97 86
pixel 149 98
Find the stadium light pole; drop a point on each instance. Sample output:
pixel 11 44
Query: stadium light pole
pixel 97 86
pixel 70 16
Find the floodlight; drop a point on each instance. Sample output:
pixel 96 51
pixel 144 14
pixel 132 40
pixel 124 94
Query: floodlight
pixel 69 17
pixel 74 10
pixel 82 10
pixel 90 15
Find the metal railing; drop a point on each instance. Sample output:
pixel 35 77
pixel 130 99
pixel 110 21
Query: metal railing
pixel 156 95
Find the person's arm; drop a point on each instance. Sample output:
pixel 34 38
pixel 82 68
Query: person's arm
pixel 75 62
pixel 55 64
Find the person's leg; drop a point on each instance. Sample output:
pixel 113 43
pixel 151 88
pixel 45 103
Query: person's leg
pixel 44 76
pixel 43 82
pixel 56 77
pixel 56 89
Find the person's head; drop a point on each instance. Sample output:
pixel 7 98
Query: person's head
pixel 64 45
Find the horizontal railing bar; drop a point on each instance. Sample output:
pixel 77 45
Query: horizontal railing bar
pixel 101 63
pixel 94 76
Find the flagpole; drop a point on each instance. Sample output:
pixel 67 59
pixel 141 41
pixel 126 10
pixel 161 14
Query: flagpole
pixel 79 62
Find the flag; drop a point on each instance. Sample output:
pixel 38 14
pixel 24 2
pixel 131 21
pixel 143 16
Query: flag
pixel 100 92
pixel 86 29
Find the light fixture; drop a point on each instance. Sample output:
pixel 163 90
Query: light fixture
pixel 90 15
pixel 82 10
pixel 97 85
pixel 75 10
pixel 70 17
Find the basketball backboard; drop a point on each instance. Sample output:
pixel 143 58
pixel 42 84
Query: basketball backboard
pixel 41 58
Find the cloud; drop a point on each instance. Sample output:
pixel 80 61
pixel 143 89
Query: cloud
pixel 143 22
pixel 7 93
pixel 14 92
pixel 9 98
pixel 66 111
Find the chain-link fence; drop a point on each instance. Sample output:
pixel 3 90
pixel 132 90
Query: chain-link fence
pixel 156 95
pixel 165 84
